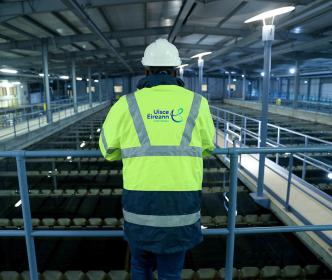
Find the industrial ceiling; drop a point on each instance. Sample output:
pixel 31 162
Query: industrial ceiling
pixel 110 35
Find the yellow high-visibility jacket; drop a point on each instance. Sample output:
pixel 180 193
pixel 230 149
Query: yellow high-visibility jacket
pixel 161 134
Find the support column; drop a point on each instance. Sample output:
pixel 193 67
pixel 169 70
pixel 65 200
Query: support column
pixel 243 86
pixel 89 87
pixel 279 87
pixel 200 74
pixel 130 84
pixel 288 86
pixel 308 89
pixel 296 84
pixel 73 84
pixel 99 88
pixel 268 37
pixel 46 82
pixel 229 85
pixel 319 90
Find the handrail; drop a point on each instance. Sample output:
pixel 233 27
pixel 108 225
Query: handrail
pixel 231 231
pixel 25 122
pixel 270 142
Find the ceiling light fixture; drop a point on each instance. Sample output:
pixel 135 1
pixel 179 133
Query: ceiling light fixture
pixel 181 69
pixel 8 71
pixel 271 14
pixel 200 68
pixel 292 70
pixel 329 175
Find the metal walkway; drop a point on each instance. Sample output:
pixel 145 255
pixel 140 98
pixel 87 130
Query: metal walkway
pixel 35 120
pixel 292 199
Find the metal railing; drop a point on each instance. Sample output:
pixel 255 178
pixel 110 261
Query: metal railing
pixel 313 105
pixel 18 122
pixel 249 128
pixel 231 231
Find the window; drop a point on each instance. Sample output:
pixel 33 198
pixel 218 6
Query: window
pixel 118 89
pixel 93 89
pixel 204 87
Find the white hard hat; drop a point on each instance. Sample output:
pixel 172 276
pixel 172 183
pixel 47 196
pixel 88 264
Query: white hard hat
pixel 161 53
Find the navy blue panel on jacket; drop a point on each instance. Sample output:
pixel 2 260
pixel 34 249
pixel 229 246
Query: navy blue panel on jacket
pixel 162 240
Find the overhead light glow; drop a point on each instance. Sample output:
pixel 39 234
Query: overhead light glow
pixel 69 157
pixel 200 55
pixel 16 83
pixel 64 77
pixel 305 81
pixel 292 70
pixel 242 76
pixel 262 74
pixel 329 175
pixel 226 72
pixel 297 30
pixel 167 22
pixel 18 203
pixel 96 81
pixel 79 78
pixel 8 71
pixel 83 144
pixel 234 80
pixel 98 130
pixel 182 66
pixel 41 74
pixel 271 13
pixel 233 72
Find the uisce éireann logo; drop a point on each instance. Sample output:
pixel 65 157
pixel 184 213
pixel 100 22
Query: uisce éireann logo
pixel 159 115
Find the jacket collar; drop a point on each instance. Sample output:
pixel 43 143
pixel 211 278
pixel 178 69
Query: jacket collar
pixel 159 79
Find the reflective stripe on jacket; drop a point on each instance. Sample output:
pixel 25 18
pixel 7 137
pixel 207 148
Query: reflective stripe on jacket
pixel 161 134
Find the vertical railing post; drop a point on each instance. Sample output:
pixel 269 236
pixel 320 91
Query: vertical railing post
pixel 24 194
pixel 14 125
pixel 259 134
pixel 245 131
pixel 278 143
pixel 304 164
pixel 231 216
pixel 289 181
pixel 28 122
pixel 217 127
pixel 226 135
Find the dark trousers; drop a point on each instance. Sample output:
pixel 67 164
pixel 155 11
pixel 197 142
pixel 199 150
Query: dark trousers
pixel 169 266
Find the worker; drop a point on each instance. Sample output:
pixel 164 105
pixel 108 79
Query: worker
pixel 161 132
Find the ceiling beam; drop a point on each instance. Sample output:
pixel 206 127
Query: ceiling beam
pixel 283 49
pixel 296 2
pixel 181 18
pixel 58 41
pixel 9 10
pixel 76 30
pixel 85 19
pixel 314 9
pixel 237 8
pixel 18 30
pixel 200 29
